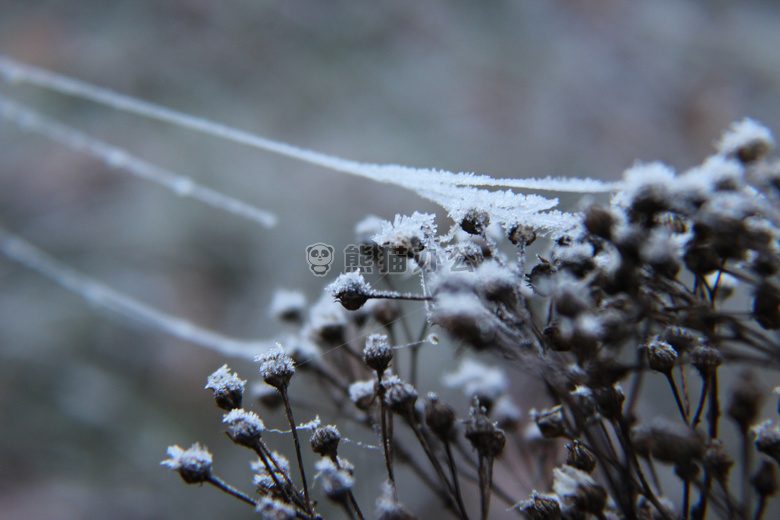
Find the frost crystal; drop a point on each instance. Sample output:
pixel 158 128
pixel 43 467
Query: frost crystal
pixel 245 428
pixel 407 233
pixel 351 290
pixel 272 509
pixel 336 481
pixel 222 380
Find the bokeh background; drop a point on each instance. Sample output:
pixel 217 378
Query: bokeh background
pixel 88 402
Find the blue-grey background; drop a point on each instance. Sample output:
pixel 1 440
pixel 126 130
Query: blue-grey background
pixel 88 403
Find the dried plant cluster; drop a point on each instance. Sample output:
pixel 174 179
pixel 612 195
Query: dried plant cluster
pixel 669 293
pixel 633 302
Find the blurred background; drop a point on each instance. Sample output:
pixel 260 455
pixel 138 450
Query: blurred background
pixel 89 402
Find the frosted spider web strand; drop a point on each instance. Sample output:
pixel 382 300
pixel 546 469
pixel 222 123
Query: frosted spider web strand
pixel 181 185
pixel 105 297
pixel 411 178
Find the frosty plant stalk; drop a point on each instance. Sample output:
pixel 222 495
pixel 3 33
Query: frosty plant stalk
pixel 668 293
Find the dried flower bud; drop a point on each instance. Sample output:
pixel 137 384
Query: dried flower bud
pixel 388 507
pixel 522 235
pixel 540 507
pixel 680 339
pixel 475 222
pixel 687 470
pixel 555 340
pixel 765 480
pixel 288 306
pixel 244 428
pixel 706 360
pixel 399 396
pixel 661 356
pixel 610 401
pixel 351 290
pixel 325 441
pixel 193 464
pixel 746 140
pixel 377 354
pixel 717 461
pixel 550 422
pixel 483 434
pixel 580 457
pixel 276 367
pixel 440 418
pixel 228 388
pixel 746 400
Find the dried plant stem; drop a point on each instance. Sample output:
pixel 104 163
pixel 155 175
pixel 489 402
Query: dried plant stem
pixel 454 474
pixel 677 399
pixel 230 490
pixel 288 410
pixel 385 418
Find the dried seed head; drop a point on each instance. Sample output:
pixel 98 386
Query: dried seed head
pixel 228 388
pixel 661 356
pixel 747 141
pixel 362 393
pixel 746 400
pixel 540 507
pixel 717 461
pixel 336 478
pixel 522 235
pixel 273 509
pixel 325 441
pixel 475 222
pixel 599 221
pixel 765 480
pixel 550 422
pixel 667 441
pixel 580 457
pixel 609 401
pixel 244 428
pixel 578 492
pixel 483 434
pixel 288 306
pixel 679 338
pixel 440 418
pixel 399 396
pixel 377 354
pixel 767 439
pixel 351 290
pixel 276 367
pixel 193 464
pixel 706 360
pixel 388 507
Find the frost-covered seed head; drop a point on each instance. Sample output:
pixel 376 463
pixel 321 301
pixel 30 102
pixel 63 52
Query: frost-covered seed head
pixel 288 306
pixel 336 482
pixel 522 235
pixel 484 435
pixel 244 428
pixel 325 441
pixel 388 507
pixel 767 439
pixel 351 290
pixel 661 356
pixel 599 221
pixel 440 418
pixel 706 359
pixel 475 222
pixel 578 492
pixel 377 354
pixel 580 457
pixel 228 388
pixel 550 422
pixel 399 396
pixel 276 367
pixel 680 339
pixel 362 393
pixel 747 140
pixel 717 461
pixel 273 509
pixel 540 507
pixel 193 464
